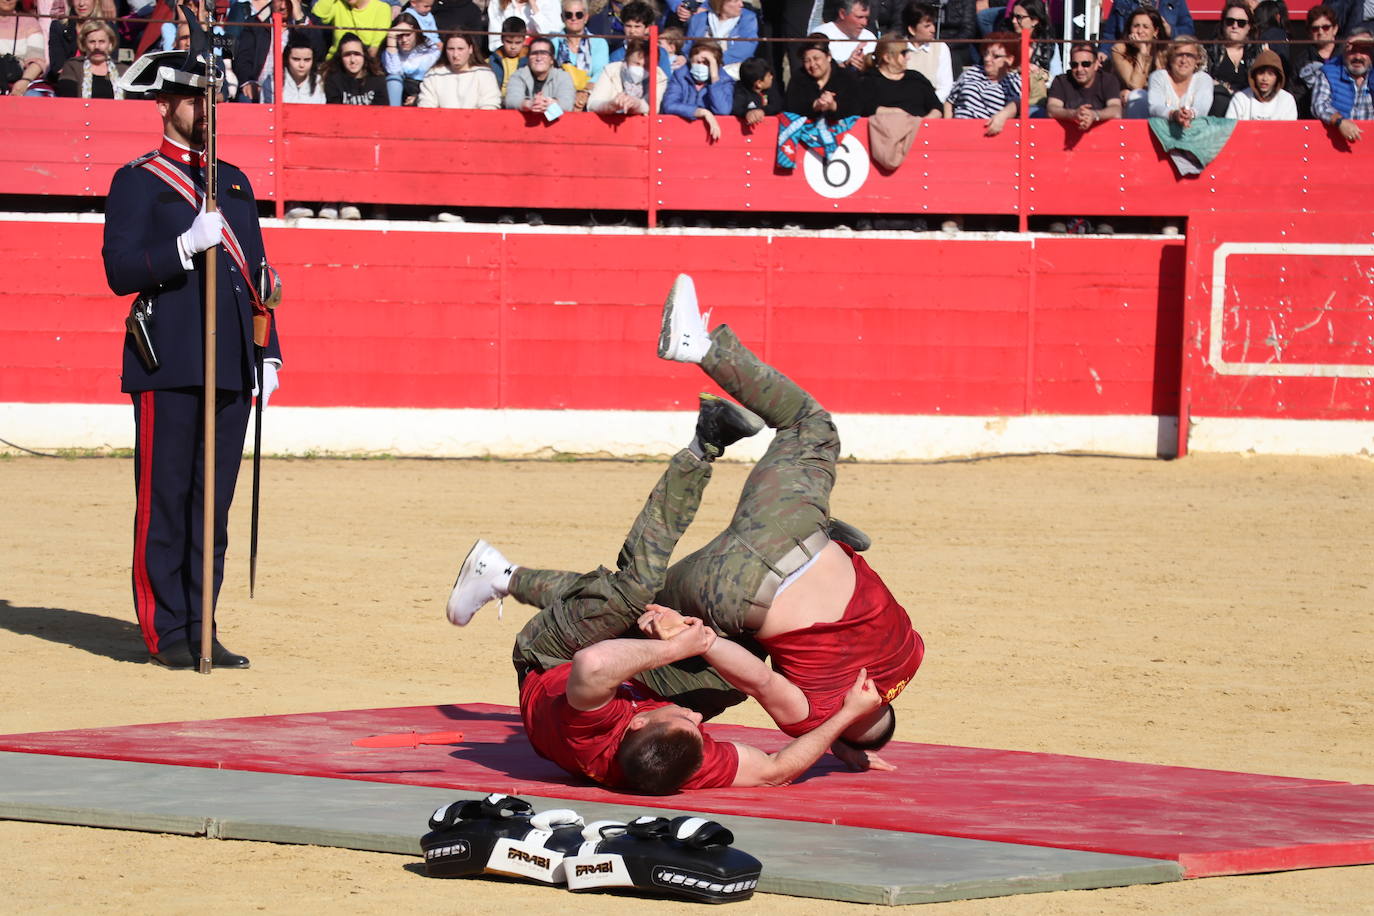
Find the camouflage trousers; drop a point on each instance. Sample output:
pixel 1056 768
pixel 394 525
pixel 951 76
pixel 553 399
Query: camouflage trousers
pixel 784 508
pixel 785 502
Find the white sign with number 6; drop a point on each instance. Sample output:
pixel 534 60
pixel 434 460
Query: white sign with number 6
pixel 844 174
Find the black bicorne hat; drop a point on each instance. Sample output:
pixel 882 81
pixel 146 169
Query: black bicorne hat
pixel 175 72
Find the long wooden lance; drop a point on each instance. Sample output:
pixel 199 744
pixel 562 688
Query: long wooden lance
pixel 207 539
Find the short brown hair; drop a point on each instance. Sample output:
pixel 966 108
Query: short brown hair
pixel 712 47
pixel 658 758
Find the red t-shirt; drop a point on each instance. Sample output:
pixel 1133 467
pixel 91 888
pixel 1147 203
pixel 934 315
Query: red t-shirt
pixel 824 658
pixel 584 743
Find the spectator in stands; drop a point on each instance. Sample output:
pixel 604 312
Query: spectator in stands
pixel 62 34
pixel 1182 90
pixel 1355 15
pixel 541 17
pixel 367 20
pixel 680 11
pixel 254 58
pixel 1045 65
pixel 702 89
pixel 458 16
pixel 851 42
pixel 300 77
pixel 757 94
pixel 407 58
pixel 23 49
pixel 887 83
pixel 636 18
pixel 1306 60
pixel 925 55
pixel 510 56
pixel 1229 61
pixel 671 38
pixel 1269 26
pixel 624 84
pixel 958 25
pixel 991 91
pixel 540 87
pixel 1178 21
pixel 609 23
pixel 731 24
pixel 1087 95
pixel 823 88
pixel 167 36
pixel 93 75
pixel 1340 90
pixel 460 79
pixel 574 49
pixel 1265 99
pixel 422 11
pixel 1134 59
pixel 352 76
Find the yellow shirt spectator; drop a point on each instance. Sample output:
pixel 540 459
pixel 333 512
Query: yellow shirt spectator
pixel 369 19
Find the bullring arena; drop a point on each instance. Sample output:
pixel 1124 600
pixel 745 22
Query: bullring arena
pixel 1092 576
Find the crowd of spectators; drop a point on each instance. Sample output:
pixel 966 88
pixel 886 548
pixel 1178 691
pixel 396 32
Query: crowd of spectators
pixel 849 57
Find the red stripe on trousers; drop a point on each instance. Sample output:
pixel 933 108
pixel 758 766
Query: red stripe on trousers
pixel 144 603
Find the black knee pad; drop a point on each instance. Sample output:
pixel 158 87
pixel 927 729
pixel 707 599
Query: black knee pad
pixel 500 835
pixel 687 857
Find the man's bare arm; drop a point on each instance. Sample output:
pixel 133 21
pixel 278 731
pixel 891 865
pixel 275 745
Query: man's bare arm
pixel 757 768
pixel 600 669
pixel 745 671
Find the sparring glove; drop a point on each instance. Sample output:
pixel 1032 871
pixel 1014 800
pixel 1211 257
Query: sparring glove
pixel 206 232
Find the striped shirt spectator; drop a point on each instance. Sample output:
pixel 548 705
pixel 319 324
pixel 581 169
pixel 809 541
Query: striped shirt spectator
pixel 976 96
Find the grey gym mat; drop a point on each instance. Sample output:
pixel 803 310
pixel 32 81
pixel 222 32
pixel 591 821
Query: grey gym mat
pixel 852 864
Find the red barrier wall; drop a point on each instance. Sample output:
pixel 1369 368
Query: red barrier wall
pixel 568 321
pixel 503 159
pixel 1280 317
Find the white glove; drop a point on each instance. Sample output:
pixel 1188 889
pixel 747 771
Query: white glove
pixel 205 232
pixel 269 380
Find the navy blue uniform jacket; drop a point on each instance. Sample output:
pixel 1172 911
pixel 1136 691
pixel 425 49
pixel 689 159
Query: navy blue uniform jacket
pixel 143 217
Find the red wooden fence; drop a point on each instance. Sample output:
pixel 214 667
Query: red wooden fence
pixel 502 159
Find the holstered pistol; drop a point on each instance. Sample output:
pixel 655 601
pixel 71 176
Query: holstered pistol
pixel 139 324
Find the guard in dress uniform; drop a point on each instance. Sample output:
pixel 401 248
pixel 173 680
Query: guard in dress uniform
pixel 156 233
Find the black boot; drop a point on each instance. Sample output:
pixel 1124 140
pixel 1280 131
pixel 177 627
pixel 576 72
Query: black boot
pixel 721 423
pixel 221 657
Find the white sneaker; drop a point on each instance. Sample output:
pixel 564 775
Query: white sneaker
pixel 348 211
pixel 484 575
pixel 299 213
pixel 443 216
pixel 329 212
pixel 684 336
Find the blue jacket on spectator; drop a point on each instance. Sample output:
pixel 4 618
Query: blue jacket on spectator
pixel 1174 12
pixel 598 52
pixel 684 96
pixel 746 27
pixel 607 22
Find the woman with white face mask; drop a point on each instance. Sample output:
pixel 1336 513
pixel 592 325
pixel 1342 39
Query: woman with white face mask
pixel 624 85
pixel 702 89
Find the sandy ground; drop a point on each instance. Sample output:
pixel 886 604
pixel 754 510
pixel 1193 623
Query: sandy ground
pixel 1212 612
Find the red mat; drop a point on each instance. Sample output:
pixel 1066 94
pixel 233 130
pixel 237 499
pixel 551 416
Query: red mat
pixel 1210 821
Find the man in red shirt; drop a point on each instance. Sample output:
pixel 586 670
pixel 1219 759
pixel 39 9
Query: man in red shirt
pixel 592 718
pixel 598 705
pixel 774 574
pixel 830 624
